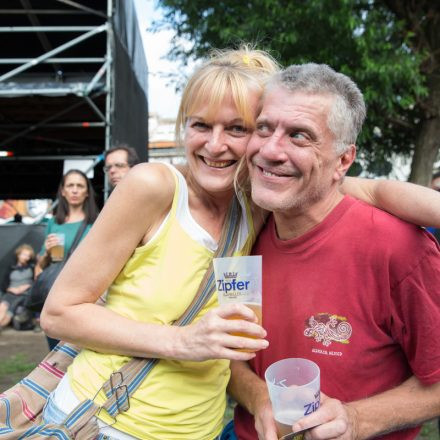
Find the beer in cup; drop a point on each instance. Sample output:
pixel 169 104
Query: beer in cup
pixel 239 280
pixel 57 251
pixel 294 391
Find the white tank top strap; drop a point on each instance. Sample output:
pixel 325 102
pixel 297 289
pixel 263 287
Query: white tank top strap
pixel 191 227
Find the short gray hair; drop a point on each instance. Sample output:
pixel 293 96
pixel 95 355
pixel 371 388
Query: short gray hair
pixel 348 110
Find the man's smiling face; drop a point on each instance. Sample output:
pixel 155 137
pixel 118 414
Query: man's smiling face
pixel 291 154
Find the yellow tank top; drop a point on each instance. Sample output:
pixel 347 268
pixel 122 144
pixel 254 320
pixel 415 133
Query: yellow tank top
pixel 178 400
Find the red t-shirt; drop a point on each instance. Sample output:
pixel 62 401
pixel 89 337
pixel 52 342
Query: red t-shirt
pixel 359 295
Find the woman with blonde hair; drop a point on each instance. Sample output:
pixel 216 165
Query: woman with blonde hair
pixel 150 248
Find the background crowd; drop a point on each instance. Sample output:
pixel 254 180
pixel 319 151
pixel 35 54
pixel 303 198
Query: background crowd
pixel 75 204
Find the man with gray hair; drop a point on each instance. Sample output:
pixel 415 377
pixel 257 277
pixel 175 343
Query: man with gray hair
pixel 345 285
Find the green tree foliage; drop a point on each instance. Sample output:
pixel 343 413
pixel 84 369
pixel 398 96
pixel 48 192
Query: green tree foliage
pixel 390 48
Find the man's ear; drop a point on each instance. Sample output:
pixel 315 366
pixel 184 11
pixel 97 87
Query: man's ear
pixel 344 162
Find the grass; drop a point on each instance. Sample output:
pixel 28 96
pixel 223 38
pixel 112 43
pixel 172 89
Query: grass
pixel 13 369
pixel 229 412
pixel 16 364
pixel 430 431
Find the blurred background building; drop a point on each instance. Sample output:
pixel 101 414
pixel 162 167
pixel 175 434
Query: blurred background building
pixel 162 146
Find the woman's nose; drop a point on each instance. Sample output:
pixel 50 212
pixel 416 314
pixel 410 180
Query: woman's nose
pixel 216 141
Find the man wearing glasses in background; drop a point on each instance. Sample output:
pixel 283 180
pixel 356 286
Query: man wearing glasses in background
pixel 118 161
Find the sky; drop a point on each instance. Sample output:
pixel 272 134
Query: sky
pixel 162 98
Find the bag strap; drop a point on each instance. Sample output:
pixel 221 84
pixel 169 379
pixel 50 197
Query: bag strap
pixel 77 239
pixel 124 382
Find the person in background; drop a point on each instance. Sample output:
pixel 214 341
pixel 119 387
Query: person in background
pixel 118 161
pixel 76 204
pixel 345 284
pixel 435 183
pixel 19 281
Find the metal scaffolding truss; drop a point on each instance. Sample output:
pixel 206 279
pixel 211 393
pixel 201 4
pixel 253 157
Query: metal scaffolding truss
pixel 58 71
pixel 44 74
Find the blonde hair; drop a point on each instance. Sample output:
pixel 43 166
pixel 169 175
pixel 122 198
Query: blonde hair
pixel 25 247
pixel 239 72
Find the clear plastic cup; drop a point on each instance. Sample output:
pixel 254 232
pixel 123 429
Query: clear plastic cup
pixel 239 280
pixel 57 251
pixel 294 390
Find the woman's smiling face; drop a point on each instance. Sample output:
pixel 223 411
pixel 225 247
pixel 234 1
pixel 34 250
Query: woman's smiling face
pixel 215 145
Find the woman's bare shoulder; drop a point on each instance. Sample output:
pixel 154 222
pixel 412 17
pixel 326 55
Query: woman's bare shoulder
pixel 152 173
pixel 152 180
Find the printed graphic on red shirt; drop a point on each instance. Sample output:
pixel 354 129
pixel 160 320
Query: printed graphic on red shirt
pixel 327 328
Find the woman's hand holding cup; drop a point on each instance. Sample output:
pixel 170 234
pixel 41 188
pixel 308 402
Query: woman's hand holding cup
pixel 214 336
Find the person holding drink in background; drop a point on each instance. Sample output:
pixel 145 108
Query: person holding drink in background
pixel 159 221
pixel 345 285
pixel 76 203
pixel 56 252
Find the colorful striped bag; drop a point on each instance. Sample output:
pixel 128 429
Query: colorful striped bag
pixel 21 407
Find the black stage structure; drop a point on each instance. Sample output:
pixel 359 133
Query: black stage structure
pixel 73 82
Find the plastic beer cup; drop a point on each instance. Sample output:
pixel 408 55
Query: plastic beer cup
pixel 294 390
pixel 57 251
pixel 239 280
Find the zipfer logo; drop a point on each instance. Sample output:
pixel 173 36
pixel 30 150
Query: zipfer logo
pixel 232 284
